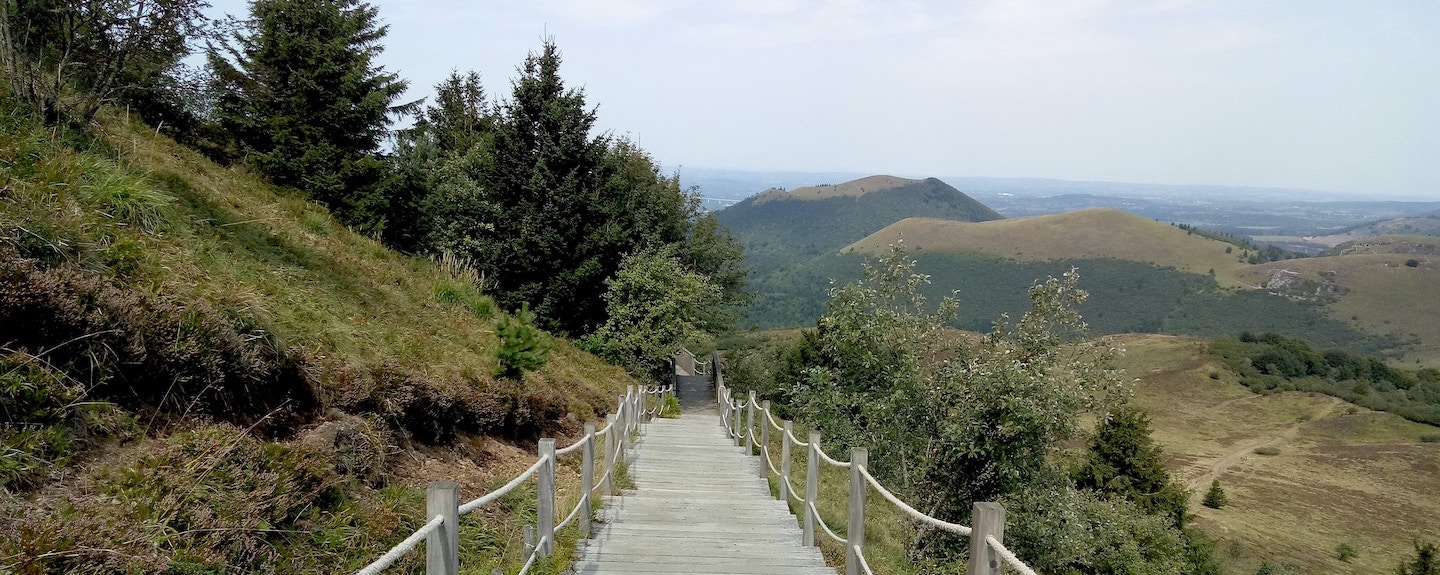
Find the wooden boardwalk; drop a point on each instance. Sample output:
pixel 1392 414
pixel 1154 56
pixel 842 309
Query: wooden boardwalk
pixel 700 506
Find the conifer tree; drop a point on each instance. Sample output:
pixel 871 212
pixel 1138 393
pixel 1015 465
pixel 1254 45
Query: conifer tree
pixel 1215 498
pixel 308 106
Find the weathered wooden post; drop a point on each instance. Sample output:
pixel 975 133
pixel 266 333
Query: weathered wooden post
pixel 610 443
pixel 442 546
pixel 749 421
pixel 629 419
pixel 587 479
pixel 855 528
pixel 529 534
pixel 545 498
pixel 765 439
pixel 812 488
pixel 735 421
pixel 987 519
pixel 785 463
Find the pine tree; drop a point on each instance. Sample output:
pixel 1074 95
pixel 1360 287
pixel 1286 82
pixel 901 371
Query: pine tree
pixel 522 347
pixel 1215 498
pixel 1124 460
pixel 301 93
pixel 1426 561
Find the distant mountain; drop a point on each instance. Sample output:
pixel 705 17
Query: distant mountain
pixel 780 227
pixel 1425 225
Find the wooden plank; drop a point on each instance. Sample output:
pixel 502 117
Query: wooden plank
pixel 700 506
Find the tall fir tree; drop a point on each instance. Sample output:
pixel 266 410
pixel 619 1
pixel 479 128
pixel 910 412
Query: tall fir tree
pixel 308 106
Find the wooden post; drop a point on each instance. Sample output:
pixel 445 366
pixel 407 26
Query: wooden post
pixel 545 498
pixel 986 519
pixel 855 528
pixel 587 479
pixel 735 421
pixel 610 444
pixel 749 421
pixel 785 464
pixel 812 488
pixel 442 546
pixel 765 439
pixel 529 533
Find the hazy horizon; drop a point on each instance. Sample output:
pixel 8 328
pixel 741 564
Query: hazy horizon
pixel 1330 95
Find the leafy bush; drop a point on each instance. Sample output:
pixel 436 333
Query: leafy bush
pixel 1267 451
pixel 1344 552
pixel 1430 438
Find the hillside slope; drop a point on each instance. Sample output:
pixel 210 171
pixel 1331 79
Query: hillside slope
pixel 1085 234
pixel 1341 474
pixel 777 227
pixel 218 365
pixel 1372 286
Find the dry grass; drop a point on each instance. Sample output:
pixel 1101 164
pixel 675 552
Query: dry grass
pixel 1343 475
pixel 1094 233
pixel 1375 292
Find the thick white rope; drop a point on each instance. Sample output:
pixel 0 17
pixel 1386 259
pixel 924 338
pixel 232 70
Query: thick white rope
pixel 832 461
pixel 793 496
pixel 533 556
pixel 402 548
pixel 571 517
pixel 864 565
pixel 824 527
pixel 773 425
pixel 796 440
pixel 1008 556
pixel 498 493
pixel 573 447
pixel 911 511
pixel 765 453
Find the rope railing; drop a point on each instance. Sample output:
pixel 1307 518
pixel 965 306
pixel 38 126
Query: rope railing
pixel 987 551
pixel 441 532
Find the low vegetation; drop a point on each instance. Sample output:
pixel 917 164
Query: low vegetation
pixel 1270 362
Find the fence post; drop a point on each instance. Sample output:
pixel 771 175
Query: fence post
pixel 735 418
pixel 765 439
pixel 749 421
pixel 855 529
pixel 529 533
pixel 442 555
pixel 545 498
pixel 610 444
pixel 987 519
pixel 785 464
pixel 812 488
pixel 587 479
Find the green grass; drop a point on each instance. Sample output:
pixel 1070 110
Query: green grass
pixel 402 344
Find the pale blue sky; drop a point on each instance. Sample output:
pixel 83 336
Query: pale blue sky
pixel 1322 94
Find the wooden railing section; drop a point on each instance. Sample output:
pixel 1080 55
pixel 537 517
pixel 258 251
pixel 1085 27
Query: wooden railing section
pixel 987 532
pixel 441 533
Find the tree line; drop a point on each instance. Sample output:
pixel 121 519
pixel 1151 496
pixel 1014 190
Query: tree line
pixel 582 228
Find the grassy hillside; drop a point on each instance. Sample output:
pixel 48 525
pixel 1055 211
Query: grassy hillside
pixel 1428 225
pixel 779 228
pixel 230 381
pixel 1341 474
pixel 1085 234
pixel 1372 288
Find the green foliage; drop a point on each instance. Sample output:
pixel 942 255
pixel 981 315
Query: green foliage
pixel 654 305
pixel 1062 530
pixel 523 347
pixel 66 59
pixel 1271 362
pixel 1426 561
pixel 1344 552
pixel 1123 460
pixel 544 209
pixel 671 408
pixel 301 94
pixel 1267 451
pixel 1215 498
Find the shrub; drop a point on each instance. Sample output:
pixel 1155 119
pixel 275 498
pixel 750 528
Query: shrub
pixel 1413 263
pixel 1345 552
pixel 1215 498
pixel 1267 451
pixel 523 347
pixel 1430 438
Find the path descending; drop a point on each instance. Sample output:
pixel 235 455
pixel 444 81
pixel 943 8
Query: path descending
pixel 699 507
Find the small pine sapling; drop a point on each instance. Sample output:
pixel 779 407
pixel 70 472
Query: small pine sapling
pixel 523 347
pixel 1215 498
